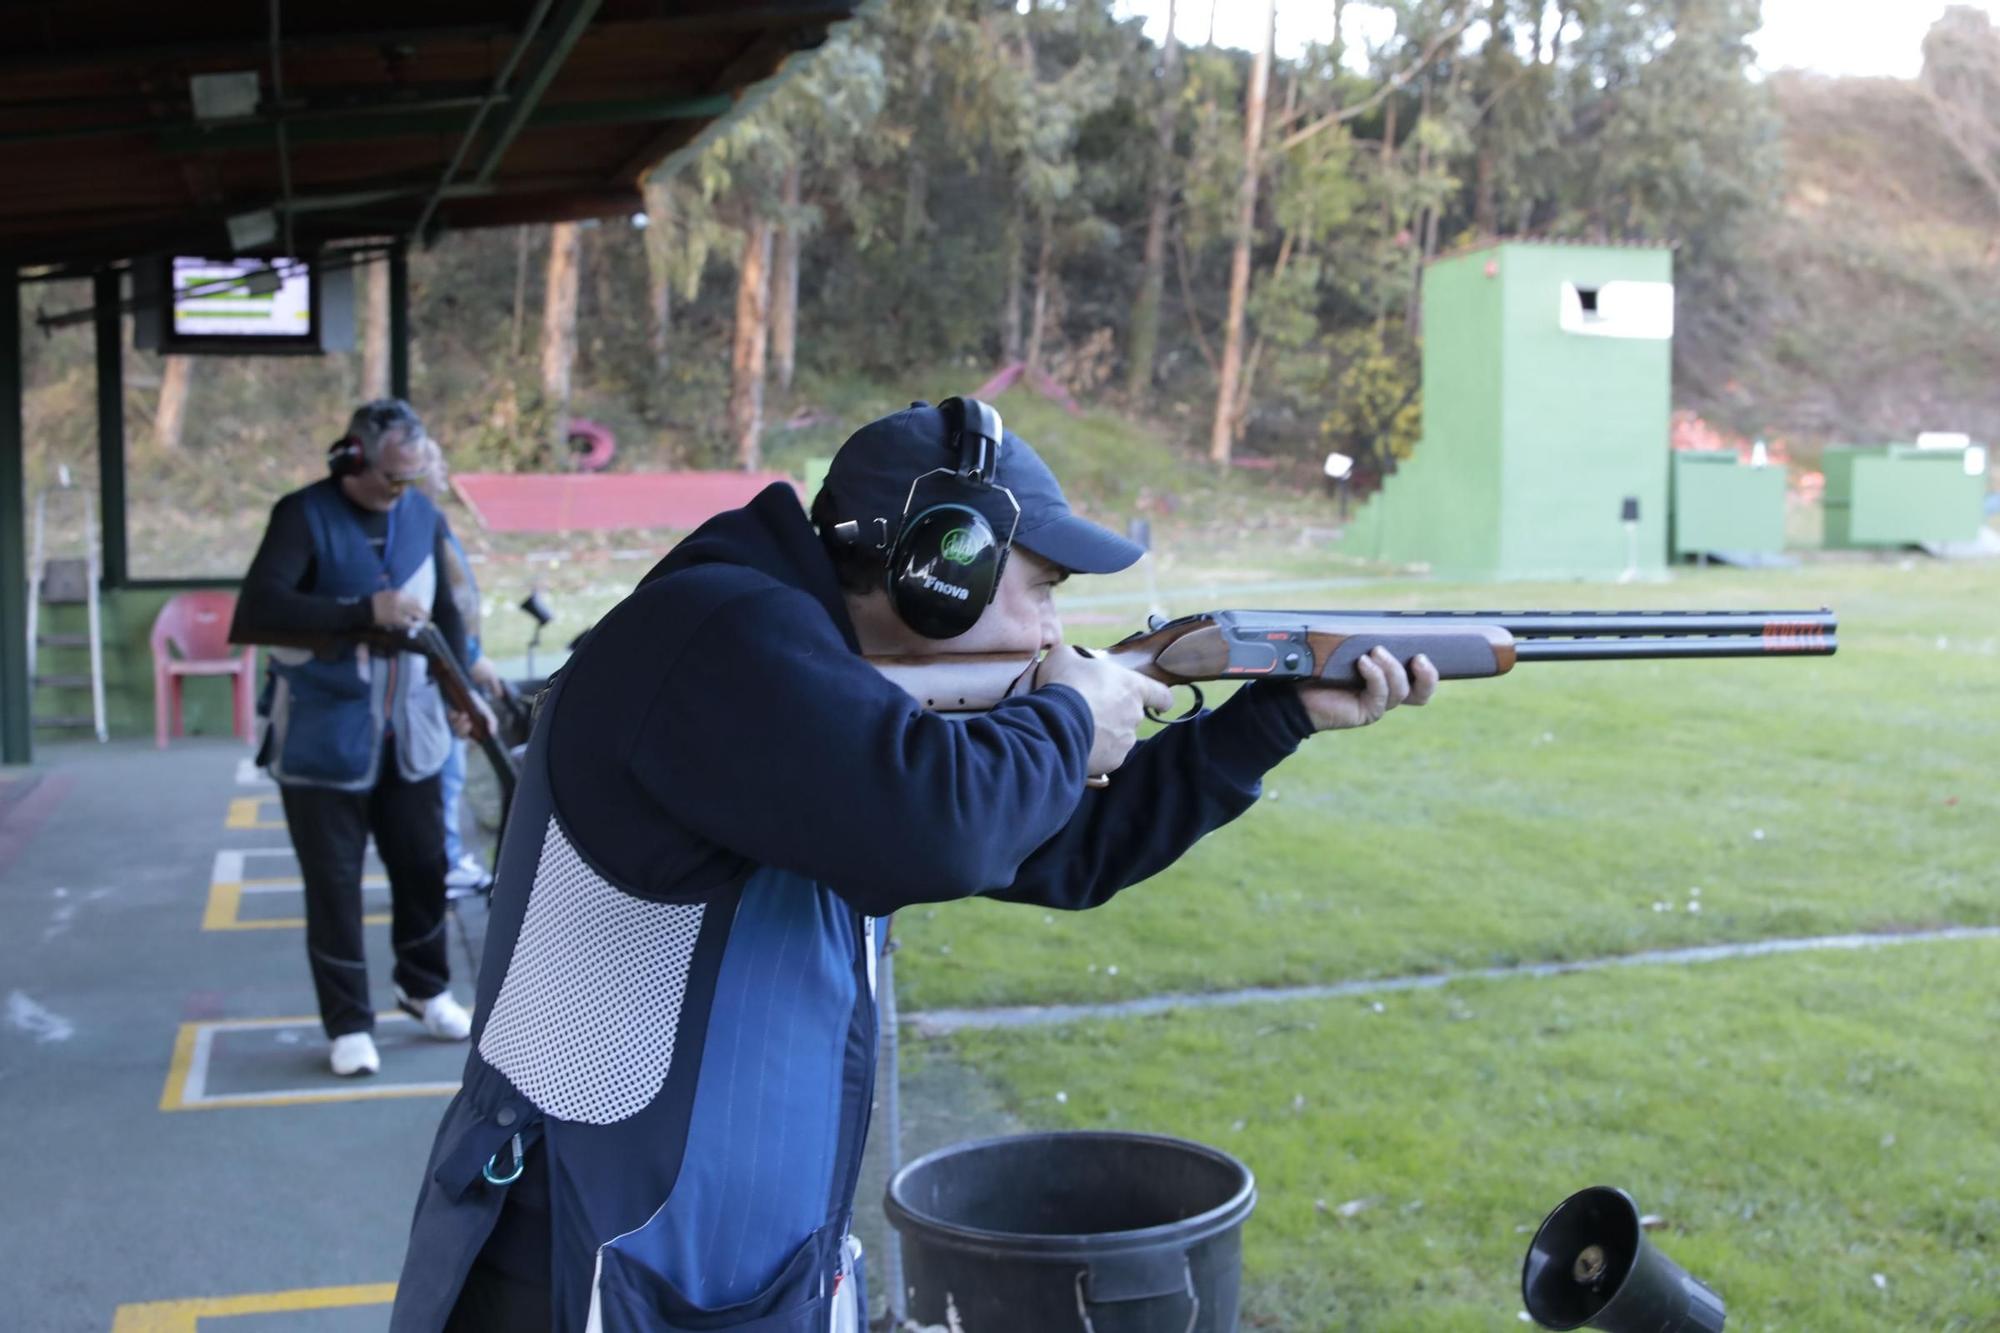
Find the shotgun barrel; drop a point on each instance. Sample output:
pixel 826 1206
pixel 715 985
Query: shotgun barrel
pixel 1326 646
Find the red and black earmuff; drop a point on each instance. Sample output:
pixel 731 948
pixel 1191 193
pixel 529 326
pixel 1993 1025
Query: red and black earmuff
pixel 345 456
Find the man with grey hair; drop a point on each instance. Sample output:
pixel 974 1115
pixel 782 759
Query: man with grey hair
pixel 355 738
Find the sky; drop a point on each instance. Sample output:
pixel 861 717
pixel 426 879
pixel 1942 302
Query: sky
pixel 1869 37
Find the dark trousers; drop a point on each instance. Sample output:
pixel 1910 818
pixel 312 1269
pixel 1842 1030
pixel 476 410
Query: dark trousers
pixel 330 834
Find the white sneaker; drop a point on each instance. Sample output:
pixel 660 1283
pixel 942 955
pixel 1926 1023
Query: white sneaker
pixel 354 1054
pixel 466 873
pixel 442 1017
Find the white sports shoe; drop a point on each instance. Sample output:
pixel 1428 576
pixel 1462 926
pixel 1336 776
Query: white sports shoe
pixel 467 874
pixel 354 1054
pixel 442 1017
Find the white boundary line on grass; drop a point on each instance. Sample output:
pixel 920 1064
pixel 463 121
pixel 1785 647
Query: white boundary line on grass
pixel 943 1022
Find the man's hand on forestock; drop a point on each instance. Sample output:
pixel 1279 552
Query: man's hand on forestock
pixel 1385 684
pixel 1118 700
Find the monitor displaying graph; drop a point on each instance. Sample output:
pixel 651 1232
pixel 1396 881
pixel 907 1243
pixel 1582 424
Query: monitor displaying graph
pixel 246 299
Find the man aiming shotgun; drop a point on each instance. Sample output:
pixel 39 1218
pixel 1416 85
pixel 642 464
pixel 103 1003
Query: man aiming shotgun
pixel 662 1119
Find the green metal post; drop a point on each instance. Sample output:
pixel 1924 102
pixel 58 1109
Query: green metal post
pixel 399 322
pixel 16 735
pixel 110 424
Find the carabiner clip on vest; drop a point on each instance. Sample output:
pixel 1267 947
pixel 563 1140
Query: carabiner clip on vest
pixel 519 1166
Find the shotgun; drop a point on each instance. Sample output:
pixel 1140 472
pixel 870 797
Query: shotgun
pixel 1325 645
pixel 428 641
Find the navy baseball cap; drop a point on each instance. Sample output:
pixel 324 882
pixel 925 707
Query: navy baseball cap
pixel 870 478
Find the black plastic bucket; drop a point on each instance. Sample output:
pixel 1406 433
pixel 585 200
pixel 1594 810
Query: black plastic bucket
pixel 1074 1233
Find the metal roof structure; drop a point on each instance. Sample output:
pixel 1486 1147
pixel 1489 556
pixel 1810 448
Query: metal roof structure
pixel 129 126
pixel 316 128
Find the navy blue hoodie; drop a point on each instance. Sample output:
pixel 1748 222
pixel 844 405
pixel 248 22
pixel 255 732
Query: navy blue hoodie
pixel 721 718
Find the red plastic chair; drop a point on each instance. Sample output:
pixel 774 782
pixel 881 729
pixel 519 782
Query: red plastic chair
pixel 191 638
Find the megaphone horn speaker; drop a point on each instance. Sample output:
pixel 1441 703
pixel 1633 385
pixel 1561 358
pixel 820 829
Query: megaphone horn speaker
pixel 1591 1266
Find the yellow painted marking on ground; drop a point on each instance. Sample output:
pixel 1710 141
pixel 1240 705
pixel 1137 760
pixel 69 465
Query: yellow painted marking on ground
pixel 187 1071
pixel 185 1316
pixel 224 898
pixel 177 1068
pixel 225 905
pixel 247 812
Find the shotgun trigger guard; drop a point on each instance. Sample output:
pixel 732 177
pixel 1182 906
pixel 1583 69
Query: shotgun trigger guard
pixel 1192 709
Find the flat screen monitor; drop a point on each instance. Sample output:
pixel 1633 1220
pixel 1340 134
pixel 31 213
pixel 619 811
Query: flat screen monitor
pixel 242 305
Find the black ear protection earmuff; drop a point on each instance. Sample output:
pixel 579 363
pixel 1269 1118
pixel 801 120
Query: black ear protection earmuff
pixel 345 456
pixel 945 565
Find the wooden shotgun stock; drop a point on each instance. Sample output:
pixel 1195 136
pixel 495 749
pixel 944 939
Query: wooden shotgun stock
pixel 1325 645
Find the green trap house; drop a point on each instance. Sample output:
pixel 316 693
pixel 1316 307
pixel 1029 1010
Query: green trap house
pixel 1546 383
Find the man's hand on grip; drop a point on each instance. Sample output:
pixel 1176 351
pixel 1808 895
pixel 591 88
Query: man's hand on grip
pixel 1118 700
pixel 397 610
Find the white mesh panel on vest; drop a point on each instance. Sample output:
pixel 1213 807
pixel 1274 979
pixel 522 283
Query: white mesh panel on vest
pixel 585 1020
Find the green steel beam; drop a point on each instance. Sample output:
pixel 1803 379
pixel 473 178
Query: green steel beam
pixel 356 128
pixel 494 98
pixel 564 33
pixel 106 304
pixel 16 732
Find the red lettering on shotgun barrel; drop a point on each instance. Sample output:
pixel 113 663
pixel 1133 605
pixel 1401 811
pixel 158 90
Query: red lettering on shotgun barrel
pixel 1793 636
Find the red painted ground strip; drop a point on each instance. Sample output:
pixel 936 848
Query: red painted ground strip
pixel 20 817
pixel 506 502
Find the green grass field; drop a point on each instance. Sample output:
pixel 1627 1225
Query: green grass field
pixel 1800 1124
pixel 1542 815
pixel 1803 1123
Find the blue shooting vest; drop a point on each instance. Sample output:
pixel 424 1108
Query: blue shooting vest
pixel 697 1073
pixel 328 715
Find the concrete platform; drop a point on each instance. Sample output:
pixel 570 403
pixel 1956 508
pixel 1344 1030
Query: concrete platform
pixel 152 955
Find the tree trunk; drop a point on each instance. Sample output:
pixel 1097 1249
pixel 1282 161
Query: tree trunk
pixel 176 377
pixel 1010 297
pixel 559 327
pixel 916 179
pixel 659 272
pixel 785 284
pixel 1412 303
pixel 746 358
pixel 1145 339
pixel 520 287
pixel 1222 433
pixel 375 333
pixel 1042 280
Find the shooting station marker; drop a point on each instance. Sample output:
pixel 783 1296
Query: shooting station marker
pixel 505 502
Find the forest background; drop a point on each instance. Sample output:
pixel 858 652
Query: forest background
pixel 1221 246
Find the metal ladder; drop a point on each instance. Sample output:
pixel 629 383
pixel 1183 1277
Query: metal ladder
pixel 65 581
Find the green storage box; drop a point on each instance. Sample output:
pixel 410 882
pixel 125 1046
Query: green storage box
pixel 1900 495
pixel 1722 504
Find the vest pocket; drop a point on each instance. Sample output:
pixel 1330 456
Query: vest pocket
pixel 329 729
pixel 631 1297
